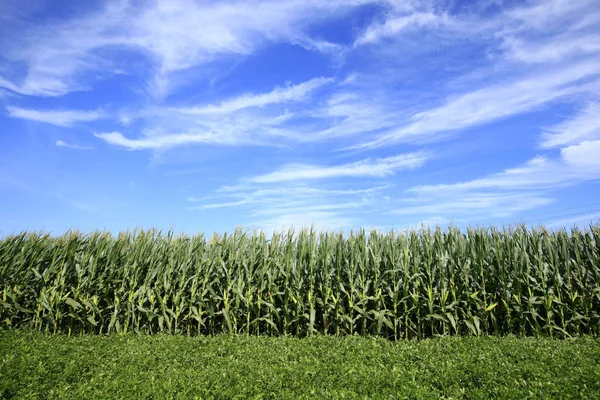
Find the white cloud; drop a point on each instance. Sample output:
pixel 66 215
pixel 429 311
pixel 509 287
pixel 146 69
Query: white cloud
pixel 553 14
pixel 173 34
pixel 222 204
pixel 54 55
pixel 167 129
pixel 276 96
pixel 557 35
pixel 347 113
pixel 579 220
pixel 584 125
pixel 537 174
pixel 495 102
pixel 321 46
pixel 379 167
pixel 261 119
pixel 64 118
pixel 472 205
pixel 550 31
pixel 370 110
pixel 509 192
pixel 397 24
pixel 279 206
pixel 553 49
pixel 585 155
pixel 60 143
pixel 301 208
pixel 163 141
pixel 248 196
pixel 349 79
pixel 324 210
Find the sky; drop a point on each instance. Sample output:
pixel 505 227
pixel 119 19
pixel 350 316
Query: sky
pixel 208 115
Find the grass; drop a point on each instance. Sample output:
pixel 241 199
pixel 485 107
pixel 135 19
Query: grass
pixel 35 365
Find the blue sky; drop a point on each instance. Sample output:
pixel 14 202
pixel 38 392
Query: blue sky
pixel 206 115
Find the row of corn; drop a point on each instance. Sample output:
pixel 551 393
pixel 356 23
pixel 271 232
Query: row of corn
pixel 413 284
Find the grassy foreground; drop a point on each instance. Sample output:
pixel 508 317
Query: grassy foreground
pixel 34 365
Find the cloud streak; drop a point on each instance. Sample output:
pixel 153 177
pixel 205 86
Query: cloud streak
pixel 163 141
pixel 265 196
pixel 379 167
pixel 397 24
pixel 279 95
pixel 538 173
pixel 60 143
pixel 279 207
pixel 496 102
pixel 584 125
pixel 583 219
pixel 173 35
pixel 168 129
pixel 63 118
pixel 509 192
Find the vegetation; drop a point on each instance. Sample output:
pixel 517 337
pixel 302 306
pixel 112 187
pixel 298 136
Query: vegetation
pixel 34 365
pixel 411 285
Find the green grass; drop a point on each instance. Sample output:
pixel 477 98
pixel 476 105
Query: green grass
pixel 34 365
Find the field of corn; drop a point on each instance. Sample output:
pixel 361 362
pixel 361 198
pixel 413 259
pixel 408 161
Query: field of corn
pixel 532 282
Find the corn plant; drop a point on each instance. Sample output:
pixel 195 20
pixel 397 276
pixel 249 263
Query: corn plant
pixel 396 285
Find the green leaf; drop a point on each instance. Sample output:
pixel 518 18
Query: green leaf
pixel 74 304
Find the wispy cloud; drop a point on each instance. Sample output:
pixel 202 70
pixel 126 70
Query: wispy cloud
pixel 539 52
pixel 174 35
pixel 537 174
pixel 282 117
pixel 60 143
pixel 510 192
pixel 278 95
pixel 273 207
pixel 552 31
pixel 346 113
pixel 378 167
pixel 397 24
pixel 581 220
pixel 162 142
pixel 246 195
pixel 554 14
pixel 168 129
pixel 495 102
pixel 276 200
pixel 556 49
pixel 472 205
pixel 584 125
pixel 65 118
pixel 301 208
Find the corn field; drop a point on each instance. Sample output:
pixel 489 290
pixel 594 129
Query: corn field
pixel 410 285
